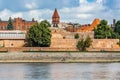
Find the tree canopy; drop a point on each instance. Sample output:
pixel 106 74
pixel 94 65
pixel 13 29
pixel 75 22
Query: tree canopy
pixel 117 27
pixel 39 35
pixel 10 24
pixel 103 31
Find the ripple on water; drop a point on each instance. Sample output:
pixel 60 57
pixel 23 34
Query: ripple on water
pixel 60 71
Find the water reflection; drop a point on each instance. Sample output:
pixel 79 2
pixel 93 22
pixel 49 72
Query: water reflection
pixel 60 71
pixel 38 71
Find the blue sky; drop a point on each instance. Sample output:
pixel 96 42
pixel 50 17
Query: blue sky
pixel 80 11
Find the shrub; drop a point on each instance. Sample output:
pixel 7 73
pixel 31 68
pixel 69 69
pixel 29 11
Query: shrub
pixel 76 36
pixel 83 44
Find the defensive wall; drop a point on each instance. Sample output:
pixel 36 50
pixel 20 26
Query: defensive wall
pixel 63 39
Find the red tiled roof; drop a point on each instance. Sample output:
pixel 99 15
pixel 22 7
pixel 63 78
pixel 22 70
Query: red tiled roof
pixel 89 28
pixel 55 15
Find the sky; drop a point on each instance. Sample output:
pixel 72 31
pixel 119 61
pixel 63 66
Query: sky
pixel 77 11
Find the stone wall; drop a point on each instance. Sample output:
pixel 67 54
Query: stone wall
pixel 59 57
pixel 12 43
pixel 105 43
pixel 61 33
pixel 20 49
pixel 63 39
pixel 63 43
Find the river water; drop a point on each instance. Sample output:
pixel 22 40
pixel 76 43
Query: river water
pixel 60 71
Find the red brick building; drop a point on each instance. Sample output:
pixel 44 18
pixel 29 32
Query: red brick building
pixel 18 24
pixel 55 18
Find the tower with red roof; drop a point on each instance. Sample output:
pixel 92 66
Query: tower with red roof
pixel 55 18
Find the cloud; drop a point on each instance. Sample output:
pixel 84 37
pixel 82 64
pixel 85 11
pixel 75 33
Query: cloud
pixel 87 11
pixel 39 15
pixel 18 14
pixel 31 5
pixel 84 16
pixel 84 13
pixel 99 1
pixel 80 11
pixel 83 1
pixel 5 14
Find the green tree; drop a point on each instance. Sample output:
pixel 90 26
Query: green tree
pixel 117 27
pixel 39 35
pixel 80 44
pixel 45 21
pixel 46 34
pixel 115 35
pixel 83 44
pixel 10 24
pixel 88 42
pixel 76 36
pixel 104 31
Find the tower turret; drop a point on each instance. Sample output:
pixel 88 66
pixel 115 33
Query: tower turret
pixel 55 18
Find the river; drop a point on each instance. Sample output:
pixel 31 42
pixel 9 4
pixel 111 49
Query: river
pixel 59 71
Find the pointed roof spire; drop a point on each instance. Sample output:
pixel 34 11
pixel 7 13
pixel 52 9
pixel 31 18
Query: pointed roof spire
pixel 55 15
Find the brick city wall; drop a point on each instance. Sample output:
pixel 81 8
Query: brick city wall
pixel 64 39
pixel 105 43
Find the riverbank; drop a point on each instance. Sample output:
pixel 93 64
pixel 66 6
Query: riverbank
pixel 50 57
pixel 40 49
pixel 69 61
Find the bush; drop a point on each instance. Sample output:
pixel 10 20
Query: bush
pixel 76 36
pixel 83 44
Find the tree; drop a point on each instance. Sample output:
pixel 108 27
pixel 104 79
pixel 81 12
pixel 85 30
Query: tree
pixel 45 21
pixel 46 34
pixel 83 44
pixel 39 35
pixel 104 31
pixel 10 24
pixel 80 44
pixel 88 41
pixel 76 36
pixel 117 27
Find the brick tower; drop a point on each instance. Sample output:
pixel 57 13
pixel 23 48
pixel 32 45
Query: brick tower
pixel 55 18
